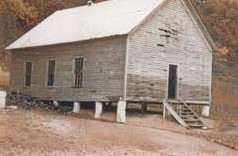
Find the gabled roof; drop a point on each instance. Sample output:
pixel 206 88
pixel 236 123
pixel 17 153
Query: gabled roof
pixel 110 18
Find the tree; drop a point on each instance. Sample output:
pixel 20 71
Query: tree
pixel 22 10
pixel 221 19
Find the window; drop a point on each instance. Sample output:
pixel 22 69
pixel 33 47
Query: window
pixel 28 68
pixel 78 72
pixel 51 73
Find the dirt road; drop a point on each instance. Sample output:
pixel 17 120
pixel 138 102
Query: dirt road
pixel 24 133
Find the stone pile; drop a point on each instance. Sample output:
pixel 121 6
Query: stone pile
pixel 28 102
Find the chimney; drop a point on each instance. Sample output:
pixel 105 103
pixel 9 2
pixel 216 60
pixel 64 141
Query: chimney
pixel 90 2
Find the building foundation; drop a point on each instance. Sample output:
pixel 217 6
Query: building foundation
pixel 206 111
pixel 121 112
pixel 76 107
pixel 98 110
pixel 3 95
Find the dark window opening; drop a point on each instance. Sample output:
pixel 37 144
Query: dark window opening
pixel 78 71
pixel 51 73
pixel 28 72
pixel 160 45
pixel 173 80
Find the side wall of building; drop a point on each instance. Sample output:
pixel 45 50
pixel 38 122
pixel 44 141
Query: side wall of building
pixel 169 37
pixel 103 75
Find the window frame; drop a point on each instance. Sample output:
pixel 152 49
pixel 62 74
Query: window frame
pixel 25 73
pixel 74 72
pixel 47 73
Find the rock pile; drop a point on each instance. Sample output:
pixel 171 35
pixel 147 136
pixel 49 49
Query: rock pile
pixel 28 102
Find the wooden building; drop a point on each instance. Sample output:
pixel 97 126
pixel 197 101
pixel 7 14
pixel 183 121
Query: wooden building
pixel 119 51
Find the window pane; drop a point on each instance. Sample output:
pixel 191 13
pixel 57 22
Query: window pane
pixel 51 73
pixel 78 71
pixel 28 74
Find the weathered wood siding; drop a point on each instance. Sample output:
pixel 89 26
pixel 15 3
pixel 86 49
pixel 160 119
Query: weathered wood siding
pixel 169 37
pixel 4 79
pixel 103 76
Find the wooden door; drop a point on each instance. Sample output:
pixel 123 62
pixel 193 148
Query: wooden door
pixel 172 82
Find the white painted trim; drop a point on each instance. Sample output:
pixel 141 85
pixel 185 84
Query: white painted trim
pixel 167 86
pixel 198 102
pixel 211 78
pixel 73 68
pixel 193 102
pixel 126 67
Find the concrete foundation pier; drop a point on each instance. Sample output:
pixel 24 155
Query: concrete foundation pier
pixel 206 111
pixel 121 112
pixel 3 96
pixel 56 103
pixel 98 110
pixel 76 107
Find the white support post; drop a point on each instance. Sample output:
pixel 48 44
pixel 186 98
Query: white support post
pixel 206 111
pixel 98 110
pixel 76 107
pixel 121 112
pixel 3 96
pixel 56 103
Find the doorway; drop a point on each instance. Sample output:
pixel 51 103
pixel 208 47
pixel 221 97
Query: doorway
pixel 172 81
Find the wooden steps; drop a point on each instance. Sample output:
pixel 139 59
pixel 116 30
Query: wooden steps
pixel 183 113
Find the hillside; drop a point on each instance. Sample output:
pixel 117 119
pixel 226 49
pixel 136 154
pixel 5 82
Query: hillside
pixel 221 19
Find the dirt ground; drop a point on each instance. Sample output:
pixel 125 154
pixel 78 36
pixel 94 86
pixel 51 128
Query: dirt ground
pixel 38 133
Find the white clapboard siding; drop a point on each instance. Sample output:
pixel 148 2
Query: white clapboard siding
pixel 103 75
pixel 148 63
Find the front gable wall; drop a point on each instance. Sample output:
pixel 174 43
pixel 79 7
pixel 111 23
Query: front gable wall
pixel 169 37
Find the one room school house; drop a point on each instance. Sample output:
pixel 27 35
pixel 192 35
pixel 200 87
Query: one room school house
pixel 116 51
